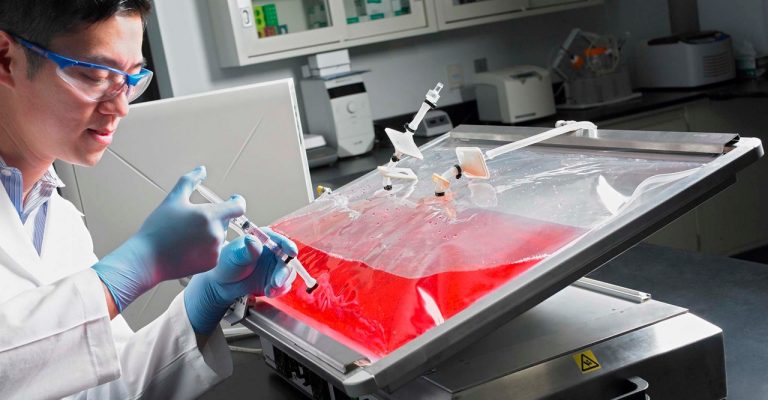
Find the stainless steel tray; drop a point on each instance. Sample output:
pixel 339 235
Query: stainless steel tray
pixel 725 154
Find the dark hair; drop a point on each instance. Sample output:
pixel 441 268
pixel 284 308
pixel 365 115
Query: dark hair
pixel 39 21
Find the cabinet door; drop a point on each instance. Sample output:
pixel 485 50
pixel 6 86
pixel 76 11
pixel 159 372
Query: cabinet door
pixel 459 13
pixel 263 28
pixel 368 18
pixel 534 4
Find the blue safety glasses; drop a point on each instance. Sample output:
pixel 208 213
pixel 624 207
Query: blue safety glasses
pixel 94 81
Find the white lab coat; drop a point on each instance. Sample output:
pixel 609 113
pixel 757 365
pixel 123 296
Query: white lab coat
pixel 56 338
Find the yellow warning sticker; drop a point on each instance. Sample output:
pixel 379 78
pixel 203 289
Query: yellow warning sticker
pixel 586 361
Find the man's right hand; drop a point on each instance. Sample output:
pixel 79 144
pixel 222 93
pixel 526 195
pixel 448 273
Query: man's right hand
pixel 177 239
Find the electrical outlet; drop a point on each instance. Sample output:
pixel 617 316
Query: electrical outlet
pixel 481 65
pixel 455 76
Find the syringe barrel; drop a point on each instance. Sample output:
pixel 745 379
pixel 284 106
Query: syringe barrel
pixel 208 194
pixel 419 117
pixel 252 229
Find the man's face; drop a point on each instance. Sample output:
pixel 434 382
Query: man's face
pixel 56 121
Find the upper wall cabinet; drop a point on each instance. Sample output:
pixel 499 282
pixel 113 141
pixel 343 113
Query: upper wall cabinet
pixel 460 13
pixel 453 14
pixel 255 31
pixel 249 31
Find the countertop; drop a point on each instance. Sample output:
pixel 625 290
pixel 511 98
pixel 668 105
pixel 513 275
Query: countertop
pixel 346 170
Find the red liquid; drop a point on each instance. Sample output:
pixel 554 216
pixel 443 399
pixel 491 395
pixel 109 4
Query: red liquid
pixel 374 311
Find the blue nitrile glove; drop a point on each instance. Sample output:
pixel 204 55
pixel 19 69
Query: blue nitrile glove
pixel 245 267
pixel 177 239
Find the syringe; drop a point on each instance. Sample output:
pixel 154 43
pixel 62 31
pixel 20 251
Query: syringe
pixel 250 228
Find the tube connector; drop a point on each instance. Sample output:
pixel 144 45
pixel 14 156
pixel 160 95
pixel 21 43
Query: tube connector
pixel 434 95
pixel 323 190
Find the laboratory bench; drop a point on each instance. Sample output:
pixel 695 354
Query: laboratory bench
pixel 347 169
pixel 729 293
pixel 732 222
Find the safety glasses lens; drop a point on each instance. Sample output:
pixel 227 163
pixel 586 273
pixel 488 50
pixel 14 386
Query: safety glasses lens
pixel 135 91
pixel 95 84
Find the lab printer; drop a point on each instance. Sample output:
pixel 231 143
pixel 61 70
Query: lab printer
pixel 338 108
pixel 514 94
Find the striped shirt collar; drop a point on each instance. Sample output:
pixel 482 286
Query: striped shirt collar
pixel 49 178
pixel 38 195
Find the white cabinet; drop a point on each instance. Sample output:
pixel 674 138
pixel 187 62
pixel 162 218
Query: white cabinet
pixel 462 13
pixel 255 31
pixel 736 219
pixel 249 31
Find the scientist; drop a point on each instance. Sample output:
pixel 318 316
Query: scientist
pixel 68 70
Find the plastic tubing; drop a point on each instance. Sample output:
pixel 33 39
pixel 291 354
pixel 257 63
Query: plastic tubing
pixel 518 144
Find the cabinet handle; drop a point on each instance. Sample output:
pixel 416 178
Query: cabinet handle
pixel 639 386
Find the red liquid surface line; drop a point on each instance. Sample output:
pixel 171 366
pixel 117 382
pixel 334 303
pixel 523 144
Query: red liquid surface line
pixel 375 312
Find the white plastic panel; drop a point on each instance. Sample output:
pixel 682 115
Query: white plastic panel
pixel 249 139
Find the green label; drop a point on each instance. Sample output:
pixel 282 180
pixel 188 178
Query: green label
pixel 353 20
pixel 373 1
pixel 377 16
pixel 270 15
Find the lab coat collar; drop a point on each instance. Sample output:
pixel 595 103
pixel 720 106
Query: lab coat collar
pixel 15 242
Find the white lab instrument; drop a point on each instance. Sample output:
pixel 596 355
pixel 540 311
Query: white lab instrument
pixel 686 60
pixel 436 122
pixel 514 94
pixel 57 338
pixel 338 108
pixel 242 224
pixel 329 64
pixel 404 144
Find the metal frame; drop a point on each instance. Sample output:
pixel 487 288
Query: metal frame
pixel 349 370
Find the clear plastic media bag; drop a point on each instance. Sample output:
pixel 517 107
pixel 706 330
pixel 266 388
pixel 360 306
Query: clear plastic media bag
pixel 392 264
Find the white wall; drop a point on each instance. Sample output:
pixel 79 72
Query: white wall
pixel 401 70
pixel 745 20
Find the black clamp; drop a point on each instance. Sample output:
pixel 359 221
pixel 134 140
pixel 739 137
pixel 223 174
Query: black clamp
pixel 458 168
